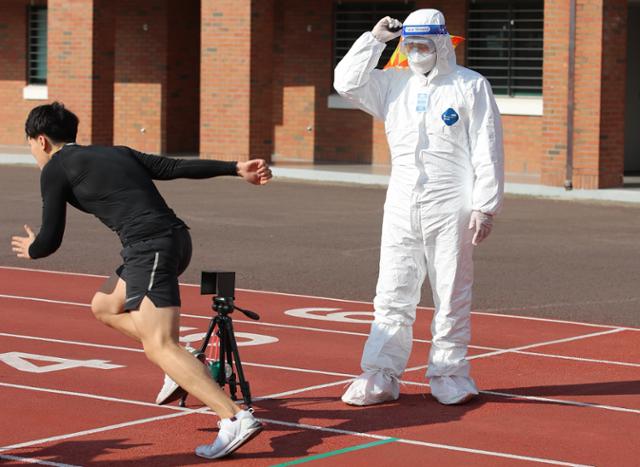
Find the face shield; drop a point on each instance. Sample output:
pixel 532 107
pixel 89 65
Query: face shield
pixel 419 46
pixel 420 52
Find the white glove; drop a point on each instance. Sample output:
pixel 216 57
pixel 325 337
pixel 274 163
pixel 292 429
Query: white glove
pixel 482 223
pixel 387 29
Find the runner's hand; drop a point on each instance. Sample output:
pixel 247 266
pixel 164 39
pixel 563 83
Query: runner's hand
pixel 255 171
pixel 20 245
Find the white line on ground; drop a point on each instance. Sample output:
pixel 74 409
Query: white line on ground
pixel 97 430
pixel 547 400
pixel 423 443
pixel 334 331
pixel 29 460
pixel 204 410
pixel 540 344
pixel 309 388
pixel 499 315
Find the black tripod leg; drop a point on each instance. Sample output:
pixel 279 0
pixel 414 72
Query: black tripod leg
pixel 244 384
pixel 222 337
pixel 228 360
pixel 203 347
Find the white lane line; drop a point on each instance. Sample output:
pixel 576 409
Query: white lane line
pixel 481 313
pixel 96 430
pixel 561 401
pixel 419 367
pixel 540 344
pixel 578 359
pixel 547 400
pixel 291 326
pixel 67 342
pixel 47 271
pixel 309 388
pixel 93 396
pixel 300 370
pixel 359 334
pixel 206 411
pixel 132 349
pixel 31 460
pixel 349 377
pixel 448 447
pixel 45 300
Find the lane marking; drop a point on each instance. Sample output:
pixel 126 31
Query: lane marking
pixel 424 443
pixel 419 367
pixel 482 313
pixel 93 396
pixel 96 430
pixel 337 452
pixel 540 344
pixel 361 334
pixel 548 400
pixel 308 388
pixel 32 460
pixel 206 411
pixel 45 300
pixel 132 349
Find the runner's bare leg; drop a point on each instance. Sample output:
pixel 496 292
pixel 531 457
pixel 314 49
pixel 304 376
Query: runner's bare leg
pixel 108 307
pixel 158 329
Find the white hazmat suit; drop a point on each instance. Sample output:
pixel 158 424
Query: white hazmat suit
pixel 445 138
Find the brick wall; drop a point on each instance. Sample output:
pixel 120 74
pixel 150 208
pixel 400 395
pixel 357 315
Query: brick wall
pixel 140 74
pixel 600 73
pixel 80 66
pixel 225 79
pixel 13 79
pixel 264 22
pixel 523 146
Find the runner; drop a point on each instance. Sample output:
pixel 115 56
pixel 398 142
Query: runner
pixel 142 300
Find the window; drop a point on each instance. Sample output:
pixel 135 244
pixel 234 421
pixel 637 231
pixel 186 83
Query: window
pixel 37 45
pixel 504 43
pixel 351 19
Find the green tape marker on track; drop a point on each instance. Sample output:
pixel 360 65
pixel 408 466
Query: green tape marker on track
pixel 337 452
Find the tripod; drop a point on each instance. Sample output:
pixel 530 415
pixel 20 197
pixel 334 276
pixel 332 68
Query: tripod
pixel 229 357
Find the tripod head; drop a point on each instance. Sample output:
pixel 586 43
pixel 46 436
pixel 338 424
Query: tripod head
pixel 222 285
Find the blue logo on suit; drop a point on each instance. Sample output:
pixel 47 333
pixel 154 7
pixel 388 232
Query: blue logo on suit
pixel 450 117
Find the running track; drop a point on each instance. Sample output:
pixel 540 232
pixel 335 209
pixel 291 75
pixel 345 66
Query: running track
pixel 73 392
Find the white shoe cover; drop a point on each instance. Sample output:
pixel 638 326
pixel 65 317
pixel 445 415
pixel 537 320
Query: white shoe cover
pixel 450 390
pixel 372 388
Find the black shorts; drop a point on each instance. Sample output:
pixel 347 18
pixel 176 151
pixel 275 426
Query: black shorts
pixel 151 269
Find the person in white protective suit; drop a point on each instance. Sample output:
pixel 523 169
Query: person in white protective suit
pixel 446 184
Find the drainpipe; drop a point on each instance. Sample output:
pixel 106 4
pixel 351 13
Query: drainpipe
pixel 568 182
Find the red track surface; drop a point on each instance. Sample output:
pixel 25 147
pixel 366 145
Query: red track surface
pixel 553 392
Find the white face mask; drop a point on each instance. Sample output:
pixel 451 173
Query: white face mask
pixel 421 63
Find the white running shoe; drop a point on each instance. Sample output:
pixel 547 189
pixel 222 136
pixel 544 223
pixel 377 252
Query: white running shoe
pixel 233 433
pixel 170 391
pixel 453 390
pixel 372 388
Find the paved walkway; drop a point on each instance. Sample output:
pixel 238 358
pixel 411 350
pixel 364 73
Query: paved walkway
pixel 379 176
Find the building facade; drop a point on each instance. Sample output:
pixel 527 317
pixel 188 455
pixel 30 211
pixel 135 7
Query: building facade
pixel 233 79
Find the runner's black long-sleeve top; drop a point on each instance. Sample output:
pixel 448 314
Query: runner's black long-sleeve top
pixel 116 185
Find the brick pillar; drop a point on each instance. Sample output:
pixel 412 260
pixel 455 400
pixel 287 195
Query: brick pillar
pixel 555 82
pixel 141 74
pixel 81 64
pixel 613 75
pixel 235 77
pixel 600 73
